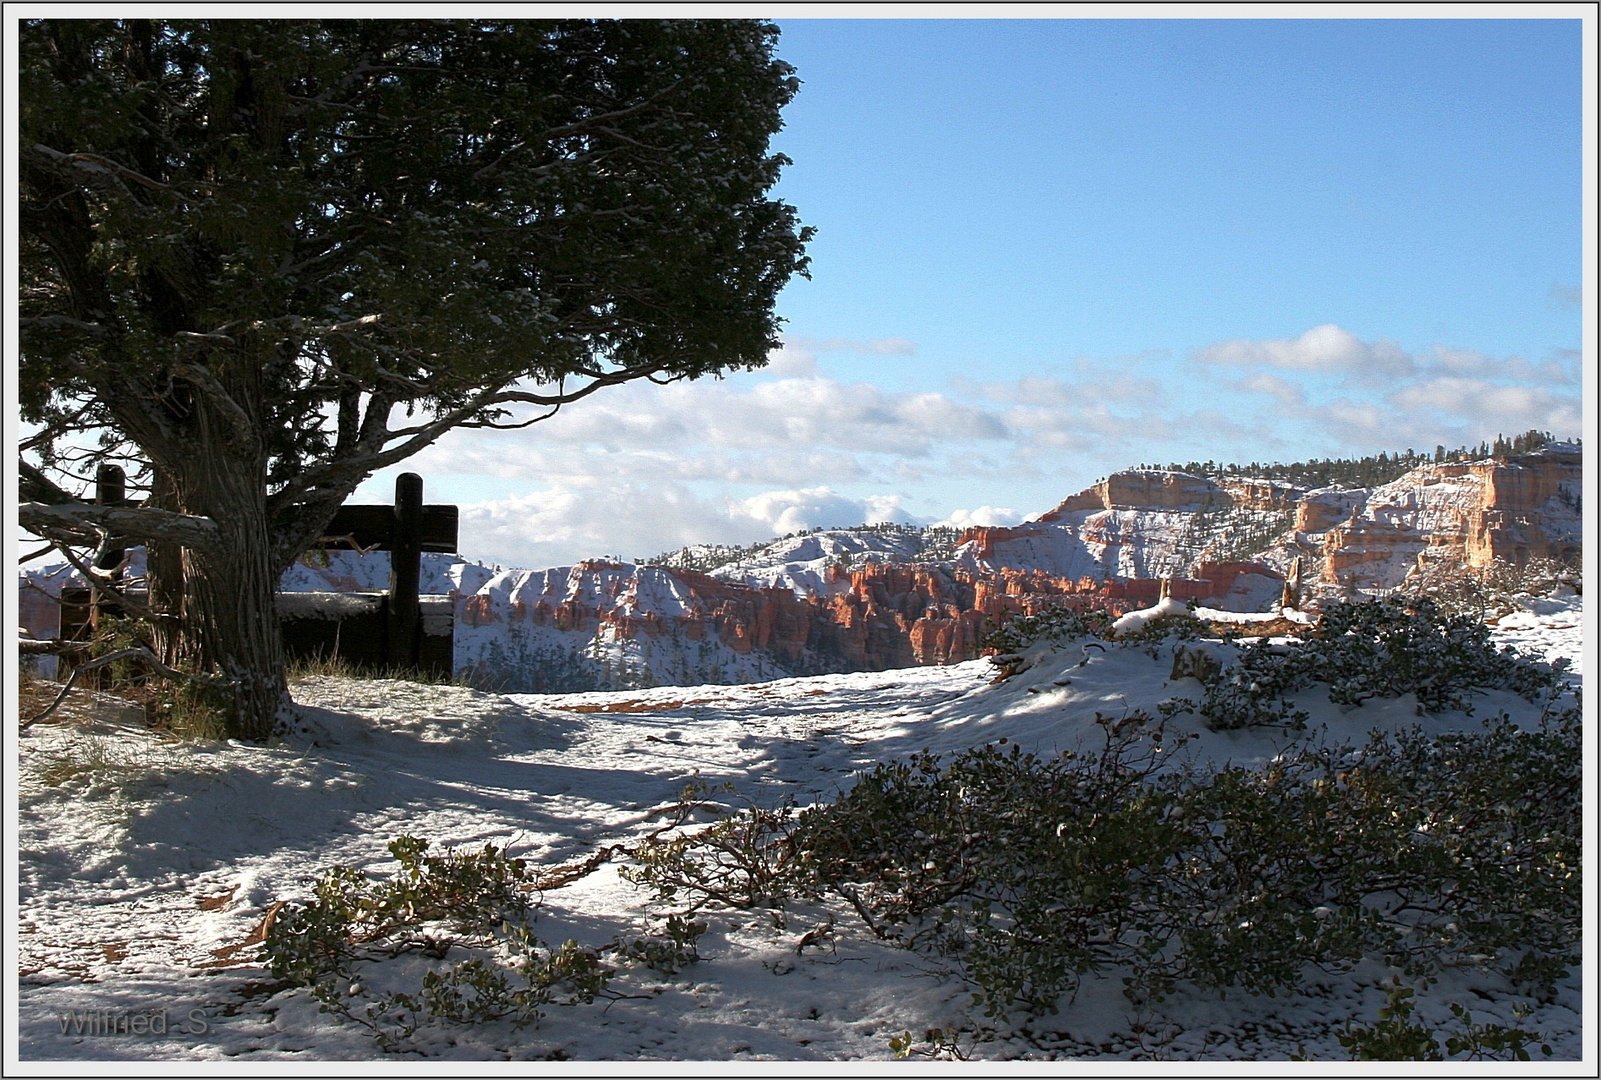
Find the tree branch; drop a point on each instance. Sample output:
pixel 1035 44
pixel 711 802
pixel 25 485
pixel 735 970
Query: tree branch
pixel 62 322
pixel 242 432
pixel 101 586
pixel 35 486
pixel 86 521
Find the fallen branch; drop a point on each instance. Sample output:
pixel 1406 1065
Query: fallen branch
pixel 139 652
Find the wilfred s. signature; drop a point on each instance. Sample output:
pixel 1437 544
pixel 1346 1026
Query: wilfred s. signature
pixel 132 1022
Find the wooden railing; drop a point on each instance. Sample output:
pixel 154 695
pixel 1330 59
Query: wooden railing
pixel 395 629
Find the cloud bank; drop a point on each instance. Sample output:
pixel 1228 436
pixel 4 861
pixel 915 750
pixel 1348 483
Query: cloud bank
pixel 642 469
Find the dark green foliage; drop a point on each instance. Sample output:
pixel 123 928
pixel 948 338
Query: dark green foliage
pixel 671 951
pixel 1369 471
pixel 1496 589
pixel 742 860
pixel 1053 624
pixel 265 258
pixel 1031 872
pixel 476 902
pixel 1495 1042
pixel 1224 532
pixel 351 917
pixel 1382 648
pixel 1397 1037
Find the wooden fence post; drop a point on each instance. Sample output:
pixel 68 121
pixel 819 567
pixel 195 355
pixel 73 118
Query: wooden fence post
pixel 111 489
pixel 405 572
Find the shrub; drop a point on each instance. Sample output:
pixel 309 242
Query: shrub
pixel 1397 1037
pixel 1031 872
pixel 1381 648
pixel 1052 624
pixel 474 901
pixel 1450 850
pixel 353 918
pixel 1492 590
pixel 742 860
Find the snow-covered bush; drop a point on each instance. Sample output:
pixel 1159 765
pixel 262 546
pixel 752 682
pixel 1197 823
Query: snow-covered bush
pixel 1032 872
pixel 1380 648
pixel 1493 590
pixel 348 940
pixel 1052 624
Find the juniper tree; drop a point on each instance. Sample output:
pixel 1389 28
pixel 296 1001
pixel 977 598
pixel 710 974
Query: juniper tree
pixel 263 259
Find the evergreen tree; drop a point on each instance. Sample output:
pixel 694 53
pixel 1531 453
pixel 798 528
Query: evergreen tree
pixel 245 244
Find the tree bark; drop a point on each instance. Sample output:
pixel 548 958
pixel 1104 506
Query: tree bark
pixel 164 578
pixel 221 594
pixel 227 620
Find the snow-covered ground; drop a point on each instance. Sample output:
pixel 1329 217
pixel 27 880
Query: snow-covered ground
pixel 142 860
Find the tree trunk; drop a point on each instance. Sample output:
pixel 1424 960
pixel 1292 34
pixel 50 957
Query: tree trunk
pixel 227 623
pixel 164 577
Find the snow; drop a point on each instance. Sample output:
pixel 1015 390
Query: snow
pixel 116 859
pixel 1243 618
pixel 1134 621
pixel 813 564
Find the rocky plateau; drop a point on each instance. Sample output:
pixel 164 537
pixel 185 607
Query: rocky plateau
pixel 855 600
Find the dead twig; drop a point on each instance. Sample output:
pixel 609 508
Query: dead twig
pixel 140 652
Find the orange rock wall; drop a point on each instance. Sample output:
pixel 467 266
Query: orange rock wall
pixel 1498 510
pixel 892 615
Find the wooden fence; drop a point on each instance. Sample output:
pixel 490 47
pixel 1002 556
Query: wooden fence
pixel 395 629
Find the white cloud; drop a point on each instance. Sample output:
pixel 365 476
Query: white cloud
pixel 1323 348
pixel 803 412
pixel 568 523
pixel 984 515
pixel 1355 423
pixel 1265 382
pixel 1493 408
pixel 640 469
pixel 1468 362
pixel 791 360
pixel 795 511
pixel 563 525
pixel 1565 296
pixel 1104 385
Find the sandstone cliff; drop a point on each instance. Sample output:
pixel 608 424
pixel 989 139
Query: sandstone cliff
pixel 848 600
pixel 1468 512
pixel 1147 523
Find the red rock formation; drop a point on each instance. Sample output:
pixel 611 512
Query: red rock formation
pixel 892 615
pixel 1144 489
pixel 1470 512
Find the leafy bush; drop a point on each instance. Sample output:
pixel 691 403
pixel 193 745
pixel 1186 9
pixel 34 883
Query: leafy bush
pixel 1456 849
pixel 1052 624
pixel 1381 648
pixel 1031 872
pixel 474 901
pixel 1492 590
pixel 1397 1037
pixel 743 860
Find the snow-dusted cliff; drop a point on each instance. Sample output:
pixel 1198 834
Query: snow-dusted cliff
pixel 1150 523
pixel 866 599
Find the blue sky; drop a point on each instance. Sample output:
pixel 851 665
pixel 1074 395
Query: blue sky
pixel 1049 249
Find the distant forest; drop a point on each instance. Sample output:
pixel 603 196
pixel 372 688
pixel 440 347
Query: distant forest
pixel 1363 472
pixel 932 543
